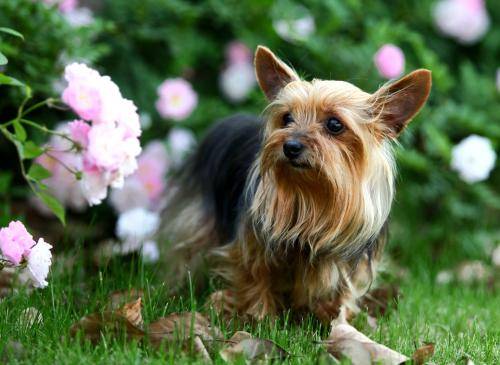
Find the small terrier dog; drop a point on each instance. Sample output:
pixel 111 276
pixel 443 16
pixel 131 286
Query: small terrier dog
pixel 295 206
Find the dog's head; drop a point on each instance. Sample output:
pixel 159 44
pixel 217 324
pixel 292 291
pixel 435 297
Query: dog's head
pixel 329 141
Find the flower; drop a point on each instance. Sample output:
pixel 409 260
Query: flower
pixel 473 158
pixel 66 6
pixel 93 97
pixel 136 226
pixel 145 187
pixel 79 17
pixel 498 79
pixel 299 29
pixel 465 20
pixel 150 252
pixel 237 81
pixel 15 242
pixel 180 141
pixel 389 61
pixel 108 133
pixel 177 99
pixel 39 261
pixel 238 52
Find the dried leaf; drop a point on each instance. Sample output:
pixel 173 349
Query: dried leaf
pixel 240 336
pixel 125 320
pixel 201 350
pixel 346 341
pixel 372 322
pixel 377 301
pixel 422 354
pixel 120 297
pixel 182 326
pixel 254 349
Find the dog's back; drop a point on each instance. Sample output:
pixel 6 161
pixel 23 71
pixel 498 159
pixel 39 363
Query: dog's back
pixel 205 196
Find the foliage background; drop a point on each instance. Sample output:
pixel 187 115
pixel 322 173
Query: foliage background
pixel 139 43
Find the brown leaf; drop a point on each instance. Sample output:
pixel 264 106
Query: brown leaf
pixel 125 320
pixel 422 354
pixel 472 272
pixel 378 300
pixel 120 297
pixel 254 349
pixel 182 326
pixel 346 341
pixel 239 336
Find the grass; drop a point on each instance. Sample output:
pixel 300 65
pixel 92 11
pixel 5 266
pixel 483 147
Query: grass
pixel 461 320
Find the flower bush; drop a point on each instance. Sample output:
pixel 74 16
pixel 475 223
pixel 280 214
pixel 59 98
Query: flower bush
pixel 187 64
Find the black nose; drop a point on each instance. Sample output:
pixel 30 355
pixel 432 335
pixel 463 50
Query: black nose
pixel 292 149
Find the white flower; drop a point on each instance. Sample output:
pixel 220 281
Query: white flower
pixel 473 158
pixel 79 17
pixel 237 81
pixel 465 20
pixel 150 252
pixel 495 256
pixel 136 226
pixel 39 261
pixel 94 187
pixel 498 79
pixel 180 141
pixel 444 277
pixel 295 29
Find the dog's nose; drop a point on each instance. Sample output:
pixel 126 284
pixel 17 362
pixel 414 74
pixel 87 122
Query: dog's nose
pixel 292 149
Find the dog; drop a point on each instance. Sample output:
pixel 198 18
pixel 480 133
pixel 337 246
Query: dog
pixel 293 206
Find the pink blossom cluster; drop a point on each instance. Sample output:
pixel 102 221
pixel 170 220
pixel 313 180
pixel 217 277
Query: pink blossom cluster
pixel 17 247
pixel 60 160
pixel 176 99
pixel 237 79
pixel 65 6
pixel 389 61
pixel 145 187
pixel 464 20
pixel 108 132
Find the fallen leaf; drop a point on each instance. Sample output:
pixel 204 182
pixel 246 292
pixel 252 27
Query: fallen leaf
pixel 239 336
pixel 120 297
pixel 125 320
pixel 372 322
pixel 346 341
pixel 182 326
pixel 29 317
pixel 378 300
pixel 254 349
pixel 422 354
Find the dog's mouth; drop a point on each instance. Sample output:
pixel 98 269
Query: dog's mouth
pixel 300 165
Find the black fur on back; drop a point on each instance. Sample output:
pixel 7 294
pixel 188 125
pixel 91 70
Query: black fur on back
pixel 220 166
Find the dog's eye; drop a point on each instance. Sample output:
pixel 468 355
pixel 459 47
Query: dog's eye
pixel 287 119
pixel 334 126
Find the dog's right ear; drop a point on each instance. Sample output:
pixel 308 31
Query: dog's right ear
pixel 272 73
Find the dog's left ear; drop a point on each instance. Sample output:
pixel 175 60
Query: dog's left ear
pixel 398 102
pixel 272 73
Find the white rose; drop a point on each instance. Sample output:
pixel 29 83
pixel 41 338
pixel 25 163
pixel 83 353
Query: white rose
pixel 237 81
pixel 136 226
pixel 39 261
pixel 473 158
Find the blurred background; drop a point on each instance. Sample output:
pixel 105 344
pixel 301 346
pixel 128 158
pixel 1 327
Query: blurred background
pixel 187 64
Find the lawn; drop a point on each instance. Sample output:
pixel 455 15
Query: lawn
pixel 461 320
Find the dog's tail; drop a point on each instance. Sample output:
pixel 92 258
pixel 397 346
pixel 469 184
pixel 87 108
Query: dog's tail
pixel 205 197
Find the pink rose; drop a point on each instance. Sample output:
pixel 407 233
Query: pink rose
pixel 129 119
pixel 79 132
pixel 66 6
pixel 177 99
pixel 15 242
pixel 238 52
pixel 390 61
pixel 465 20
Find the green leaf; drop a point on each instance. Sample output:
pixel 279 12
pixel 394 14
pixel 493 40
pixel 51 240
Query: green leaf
pixel 54 205
pixel 7 80
pixel 31 150
pixel 13 32
pixel 37 172
pixel 3 59
pixel 19 131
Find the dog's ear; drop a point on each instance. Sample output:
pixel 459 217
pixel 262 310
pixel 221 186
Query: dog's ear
pixel 398 102
pixel 272 73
